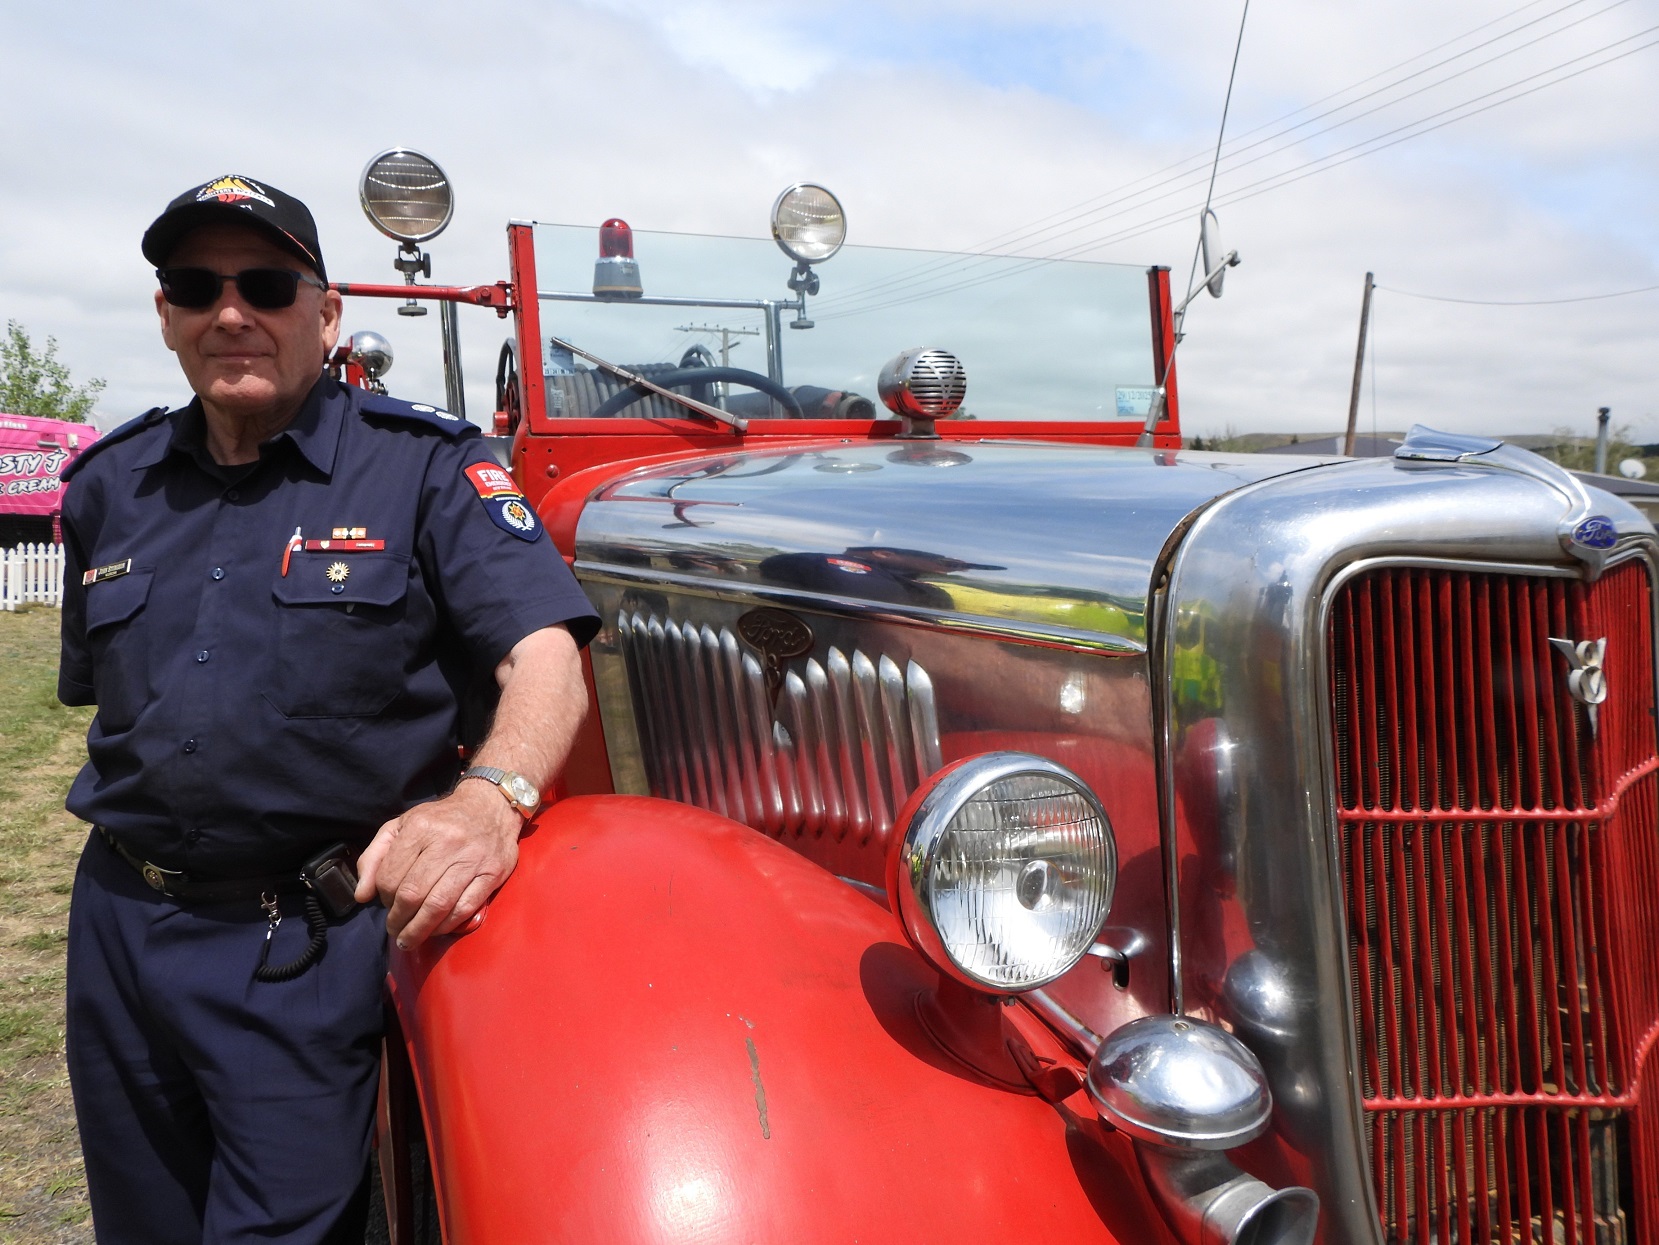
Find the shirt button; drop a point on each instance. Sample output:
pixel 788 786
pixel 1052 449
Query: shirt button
pixel 193 836
pixel 233 495
pixel 218 572
pixel 190 745
pixel 202 656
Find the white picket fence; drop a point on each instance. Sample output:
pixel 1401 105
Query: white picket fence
pixel 31 575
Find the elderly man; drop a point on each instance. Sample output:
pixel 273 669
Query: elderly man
pixel 293 603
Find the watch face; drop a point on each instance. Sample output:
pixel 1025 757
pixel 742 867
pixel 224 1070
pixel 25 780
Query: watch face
pixel 522 790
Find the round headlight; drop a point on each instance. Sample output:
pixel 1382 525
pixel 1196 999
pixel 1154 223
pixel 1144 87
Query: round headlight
pixel 406 195
pixel 808 223
pixel 1004 874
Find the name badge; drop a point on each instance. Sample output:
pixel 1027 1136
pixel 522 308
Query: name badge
pixel 113 571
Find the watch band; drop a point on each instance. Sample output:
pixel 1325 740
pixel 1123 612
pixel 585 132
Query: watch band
pixel 504 780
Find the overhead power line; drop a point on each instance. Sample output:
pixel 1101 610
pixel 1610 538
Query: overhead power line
pixel 1185 173
pixel 1520 302
pixel 859 300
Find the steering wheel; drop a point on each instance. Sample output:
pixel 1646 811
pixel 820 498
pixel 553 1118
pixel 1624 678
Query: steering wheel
pixel 684 377
pixel 506 386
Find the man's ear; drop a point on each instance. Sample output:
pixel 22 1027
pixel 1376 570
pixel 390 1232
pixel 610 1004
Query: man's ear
pixel 332 312
pixel 165 311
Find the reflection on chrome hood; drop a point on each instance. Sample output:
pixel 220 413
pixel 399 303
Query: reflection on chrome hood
pixel 1051 539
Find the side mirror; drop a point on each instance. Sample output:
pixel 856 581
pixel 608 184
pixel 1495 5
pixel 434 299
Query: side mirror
pixel 1209 243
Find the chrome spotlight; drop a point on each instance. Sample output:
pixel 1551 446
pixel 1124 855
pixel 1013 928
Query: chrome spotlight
pixel 407 197
pixel 809 226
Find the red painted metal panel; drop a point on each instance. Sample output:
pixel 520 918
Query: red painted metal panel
pixel 1501 855
pixel 670 1028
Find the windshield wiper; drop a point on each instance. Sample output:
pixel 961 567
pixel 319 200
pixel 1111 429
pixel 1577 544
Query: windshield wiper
pixel 634 378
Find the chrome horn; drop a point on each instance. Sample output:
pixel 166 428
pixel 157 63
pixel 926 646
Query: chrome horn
pixel 1186 1091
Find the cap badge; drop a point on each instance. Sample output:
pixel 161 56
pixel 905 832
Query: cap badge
pixel 233 190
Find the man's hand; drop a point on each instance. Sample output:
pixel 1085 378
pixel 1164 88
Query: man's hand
pixel 439 863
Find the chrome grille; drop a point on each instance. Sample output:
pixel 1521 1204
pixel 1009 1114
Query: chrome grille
pixel 1500 859
pixel 938 382
pixel 849 738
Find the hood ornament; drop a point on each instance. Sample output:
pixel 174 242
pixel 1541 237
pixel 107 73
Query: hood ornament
pixel 1586 677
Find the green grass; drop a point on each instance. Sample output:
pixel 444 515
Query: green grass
pixel 42 1188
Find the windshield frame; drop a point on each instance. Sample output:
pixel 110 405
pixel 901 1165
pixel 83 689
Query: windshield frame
pixel 531 345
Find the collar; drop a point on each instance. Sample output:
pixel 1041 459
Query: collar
pixel 314 430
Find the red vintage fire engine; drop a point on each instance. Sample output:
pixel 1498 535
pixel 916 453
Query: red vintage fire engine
pixel 999 823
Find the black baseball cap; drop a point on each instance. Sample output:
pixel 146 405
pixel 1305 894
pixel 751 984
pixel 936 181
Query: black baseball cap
pixel 237 200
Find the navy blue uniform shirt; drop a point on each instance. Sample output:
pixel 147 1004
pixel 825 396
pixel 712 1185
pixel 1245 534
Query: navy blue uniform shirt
pixel 258 700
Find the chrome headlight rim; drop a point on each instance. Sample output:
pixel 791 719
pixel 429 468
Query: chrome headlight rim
pixel 918 838
pixel 370 204
pixel 800 253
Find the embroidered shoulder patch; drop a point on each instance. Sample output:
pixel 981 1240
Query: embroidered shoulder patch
pixel 502 501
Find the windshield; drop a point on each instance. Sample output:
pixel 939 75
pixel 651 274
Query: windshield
pixel 1040 339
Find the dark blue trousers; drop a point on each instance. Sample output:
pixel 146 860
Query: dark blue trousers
pixel 214 1108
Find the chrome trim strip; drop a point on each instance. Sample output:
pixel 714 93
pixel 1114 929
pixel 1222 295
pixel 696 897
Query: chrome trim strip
pixel 939 620
pixel 875 788
pixel 1157 617
pixel 924 720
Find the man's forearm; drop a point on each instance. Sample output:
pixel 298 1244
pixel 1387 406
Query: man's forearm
pixel 438 863
pixel 543 702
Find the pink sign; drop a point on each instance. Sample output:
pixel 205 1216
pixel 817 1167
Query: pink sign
pixel 33 455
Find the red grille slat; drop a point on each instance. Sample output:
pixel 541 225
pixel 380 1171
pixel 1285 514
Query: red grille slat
pixel 1502 860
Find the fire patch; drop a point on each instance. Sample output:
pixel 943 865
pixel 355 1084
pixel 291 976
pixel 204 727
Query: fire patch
pixel 502 501
pixel 233 190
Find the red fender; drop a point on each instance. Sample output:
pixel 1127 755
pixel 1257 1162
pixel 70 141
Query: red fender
pixel 670 1028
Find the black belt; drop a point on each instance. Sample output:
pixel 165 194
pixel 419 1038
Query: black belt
pixel 177 884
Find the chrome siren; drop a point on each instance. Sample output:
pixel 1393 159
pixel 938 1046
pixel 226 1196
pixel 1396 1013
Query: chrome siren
pixel 921 386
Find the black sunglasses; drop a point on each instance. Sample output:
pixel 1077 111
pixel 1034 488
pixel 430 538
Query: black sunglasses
pixel 268 289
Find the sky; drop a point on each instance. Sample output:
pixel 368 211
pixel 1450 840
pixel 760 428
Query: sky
pixel 1491 150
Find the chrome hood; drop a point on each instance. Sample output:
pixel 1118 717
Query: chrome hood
pixel 1037 540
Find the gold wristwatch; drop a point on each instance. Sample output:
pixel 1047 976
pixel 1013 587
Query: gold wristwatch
pixel 519 791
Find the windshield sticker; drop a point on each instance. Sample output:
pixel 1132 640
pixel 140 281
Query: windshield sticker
pixel 1134 402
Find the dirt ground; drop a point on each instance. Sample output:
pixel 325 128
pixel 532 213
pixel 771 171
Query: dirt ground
pixel 42 1186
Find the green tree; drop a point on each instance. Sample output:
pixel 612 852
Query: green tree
pixel 1578 453
pixel 34 382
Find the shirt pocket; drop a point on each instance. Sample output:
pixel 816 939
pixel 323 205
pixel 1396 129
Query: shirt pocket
pixel 343 639
pixel 120 645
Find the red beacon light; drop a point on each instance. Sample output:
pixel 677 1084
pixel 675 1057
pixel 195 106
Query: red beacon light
pixel 616 272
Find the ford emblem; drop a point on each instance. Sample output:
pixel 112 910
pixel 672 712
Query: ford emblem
pixel 1596 532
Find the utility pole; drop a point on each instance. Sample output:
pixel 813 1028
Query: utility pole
pixel 1601 439
pixel 726 335
pixel 1359 367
